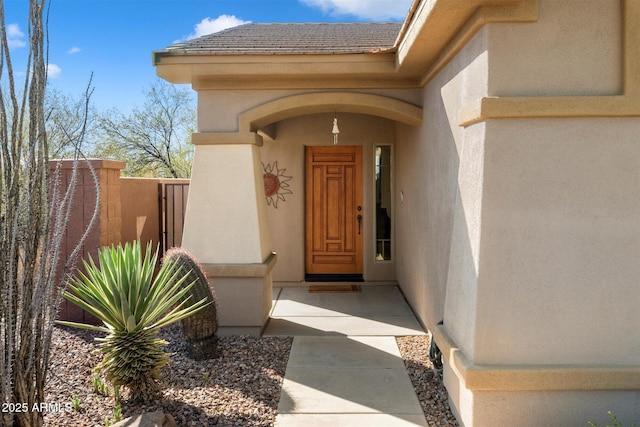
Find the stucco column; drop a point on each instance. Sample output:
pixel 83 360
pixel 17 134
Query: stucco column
pixel 226 229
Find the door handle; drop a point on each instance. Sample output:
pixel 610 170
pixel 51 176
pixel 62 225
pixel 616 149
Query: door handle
pixel 359 218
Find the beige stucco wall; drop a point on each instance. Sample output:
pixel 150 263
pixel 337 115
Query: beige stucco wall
pixel 286 222
pixel 575 48
pixel 557 207
pixel 559 259
pixel 218 110
pixel 539 220
pixel 549 408
pixel 433 164
pixel 224 223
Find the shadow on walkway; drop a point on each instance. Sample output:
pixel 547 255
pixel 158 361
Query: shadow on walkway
pixel 345 367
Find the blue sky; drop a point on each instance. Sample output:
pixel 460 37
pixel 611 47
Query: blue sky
pixel 114 38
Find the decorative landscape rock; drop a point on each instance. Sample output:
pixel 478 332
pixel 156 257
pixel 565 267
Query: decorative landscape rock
pixel 200 329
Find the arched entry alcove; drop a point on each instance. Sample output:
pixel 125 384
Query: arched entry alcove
pixel 299 123
pixel 227 222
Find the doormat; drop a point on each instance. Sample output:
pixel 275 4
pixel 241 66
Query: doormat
pixel 334 288
pixel 333 278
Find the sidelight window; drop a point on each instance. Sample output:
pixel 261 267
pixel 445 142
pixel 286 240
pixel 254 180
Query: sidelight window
pixel 382 173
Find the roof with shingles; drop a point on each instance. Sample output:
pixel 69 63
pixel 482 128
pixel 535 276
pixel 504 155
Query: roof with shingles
pixel 299 38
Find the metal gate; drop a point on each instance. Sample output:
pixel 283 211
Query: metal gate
pixel 173 203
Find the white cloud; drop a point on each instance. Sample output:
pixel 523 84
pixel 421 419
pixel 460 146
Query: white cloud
pixel 53 71
pixel 73 50
pixel 208 25
pixel 15 37
pixel 375 10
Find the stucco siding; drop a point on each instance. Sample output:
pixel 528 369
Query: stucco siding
pixel 560 242
pixel 218 110
pixel 228 213
pixel 543 273
pixel 575 48
pixel 433 163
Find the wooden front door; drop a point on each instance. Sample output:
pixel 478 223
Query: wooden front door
pixel 334 211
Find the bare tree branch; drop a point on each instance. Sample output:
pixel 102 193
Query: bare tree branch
pixel 157 136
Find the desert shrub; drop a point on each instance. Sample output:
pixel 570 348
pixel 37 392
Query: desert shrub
pixel 133 305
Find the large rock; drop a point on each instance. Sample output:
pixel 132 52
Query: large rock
pixel 148 419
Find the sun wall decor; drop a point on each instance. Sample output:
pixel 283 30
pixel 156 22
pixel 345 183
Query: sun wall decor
pixel 276 184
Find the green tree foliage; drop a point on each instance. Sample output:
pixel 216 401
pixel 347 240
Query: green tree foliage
pixel 154 140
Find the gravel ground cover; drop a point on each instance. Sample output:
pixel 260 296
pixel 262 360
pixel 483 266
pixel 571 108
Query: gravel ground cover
pixel 428 385
pixel 240 388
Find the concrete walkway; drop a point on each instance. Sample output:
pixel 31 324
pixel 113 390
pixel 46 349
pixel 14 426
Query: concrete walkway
pixel 345 368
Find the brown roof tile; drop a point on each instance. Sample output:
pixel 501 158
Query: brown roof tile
pixel 325 38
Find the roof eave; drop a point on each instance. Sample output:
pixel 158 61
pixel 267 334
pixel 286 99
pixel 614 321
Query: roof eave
pixel 279 69
pixel 436 30
pixel 177 51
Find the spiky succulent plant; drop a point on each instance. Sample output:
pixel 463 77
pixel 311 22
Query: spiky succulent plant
pixel 133 305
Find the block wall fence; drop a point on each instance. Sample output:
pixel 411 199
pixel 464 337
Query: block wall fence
pixel 129 210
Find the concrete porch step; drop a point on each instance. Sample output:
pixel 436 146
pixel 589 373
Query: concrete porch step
pixel 376 310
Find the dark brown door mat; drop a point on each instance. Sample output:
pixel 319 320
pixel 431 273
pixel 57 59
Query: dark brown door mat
pixel 334 288
pixel 333 278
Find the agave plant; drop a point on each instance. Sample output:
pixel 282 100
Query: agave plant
pixel 133 305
